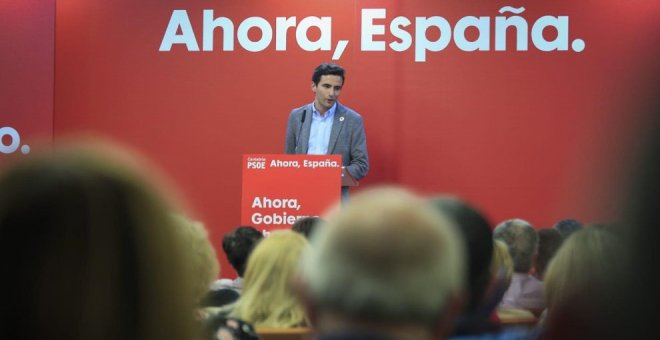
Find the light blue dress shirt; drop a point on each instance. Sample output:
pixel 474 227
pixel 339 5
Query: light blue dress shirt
pixel 319 133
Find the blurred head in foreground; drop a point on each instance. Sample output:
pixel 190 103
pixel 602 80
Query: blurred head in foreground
pixel 582 264
pixel 89 250
pixel 306 225
pixel 387 263
pixel 201 261
pixel 478 238
pixel 581 281
pixel 642 224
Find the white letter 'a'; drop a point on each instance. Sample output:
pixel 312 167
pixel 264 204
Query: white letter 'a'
pixel 178 19
pixel 257 203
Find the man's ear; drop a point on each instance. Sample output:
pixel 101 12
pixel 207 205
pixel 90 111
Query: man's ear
pixel 445 325
pixel 313 87
pixel 301 291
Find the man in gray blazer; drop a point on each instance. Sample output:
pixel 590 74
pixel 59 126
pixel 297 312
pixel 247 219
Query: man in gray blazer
pixel 326 127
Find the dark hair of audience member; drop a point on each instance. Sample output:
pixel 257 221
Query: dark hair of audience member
pixel 89 250
pixel 566 227
pixel 306 225
pixel 476 232
pixel 219 297
pixel 549 242
pixel 238 245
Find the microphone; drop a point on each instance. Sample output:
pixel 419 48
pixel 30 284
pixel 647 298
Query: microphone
pixel 302 121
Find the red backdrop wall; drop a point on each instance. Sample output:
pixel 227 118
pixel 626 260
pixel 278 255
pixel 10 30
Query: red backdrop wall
pixel 27 47
pixel 531 134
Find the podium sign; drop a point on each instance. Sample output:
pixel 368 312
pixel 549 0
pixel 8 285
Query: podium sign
pixel 279 189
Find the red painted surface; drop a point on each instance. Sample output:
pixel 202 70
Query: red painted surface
pixel 27 38
pixel 536 135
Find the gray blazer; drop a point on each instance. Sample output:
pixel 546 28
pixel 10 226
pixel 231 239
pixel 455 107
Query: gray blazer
pixel 347 137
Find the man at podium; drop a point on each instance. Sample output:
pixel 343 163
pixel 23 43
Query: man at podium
pixel 326 127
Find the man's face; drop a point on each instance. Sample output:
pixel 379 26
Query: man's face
pixel 327 91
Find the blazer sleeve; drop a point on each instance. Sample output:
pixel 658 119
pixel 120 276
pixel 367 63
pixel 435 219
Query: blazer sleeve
pixel 359 159
pixel 291 132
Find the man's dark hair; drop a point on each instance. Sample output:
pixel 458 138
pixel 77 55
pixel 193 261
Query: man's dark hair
pixel 566 227
pixel 219 297
pixel 327 69
pixel 306 225
pixel 238 245
pixel 476 232
pixel 549 242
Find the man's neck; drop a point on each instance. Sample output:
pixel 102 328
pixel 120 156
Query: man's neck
pixel 321 111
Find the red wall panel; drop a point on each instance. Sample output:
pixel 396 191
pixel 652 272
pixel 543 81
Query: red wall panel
pixel 27 38
pixel 530 134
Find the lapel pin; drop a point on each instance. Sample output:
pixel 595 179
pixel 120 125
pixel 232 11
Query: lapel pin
pixel 341 119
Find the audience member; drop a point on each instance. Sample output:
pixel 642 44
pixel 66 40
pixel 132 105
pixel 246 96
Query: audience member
pixel 579 266
pixel 502 263
pixel 580 273
pixel 502 269
pixel 476 233
pixel 267 299
pixel 237 245
pixel 638 308
pixel 201 259
pixel 387 266
pixel 218 298
pixel 89 250
pixel 549 242
pixel 566 227
pixel 306 225
pixel 613 228
pixel 525 291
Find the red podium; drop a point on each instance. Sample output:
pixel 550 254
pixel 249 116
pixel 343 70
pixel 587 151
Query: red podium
pixel 278 189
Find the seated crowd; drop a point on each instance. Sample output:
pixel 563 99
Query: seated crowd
pixel 93 249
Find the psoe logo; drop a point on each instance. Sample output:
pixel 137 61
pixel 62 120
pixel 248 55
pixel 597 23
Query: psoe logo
pixel 256 165
pixel 10 141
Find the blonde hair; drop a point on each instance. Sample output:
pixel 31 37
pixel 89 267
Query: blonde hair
pixel 201 260
pixel 584 264
pixel 267 299
pixel 502 262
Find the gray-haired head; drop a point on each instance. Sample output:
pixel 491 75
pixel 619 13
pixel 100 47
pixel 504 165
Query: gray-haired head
pixel 385 257
pixel 522 240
